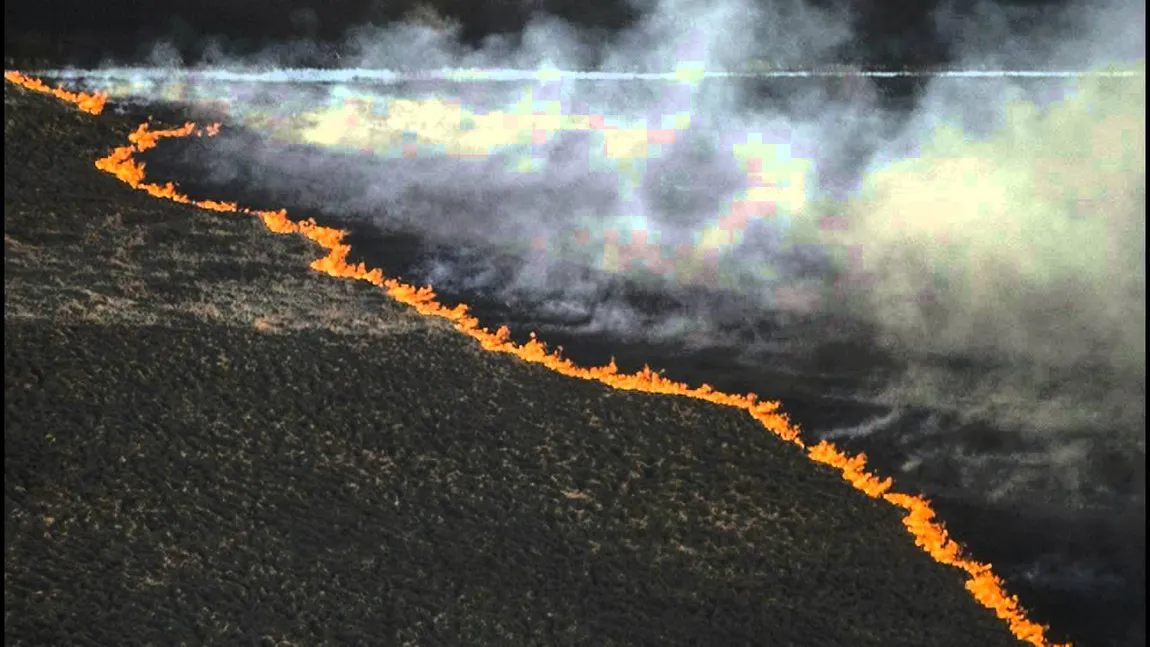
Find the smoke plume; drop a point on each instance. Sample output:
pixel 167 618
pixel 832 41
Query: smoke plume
pixel 995 218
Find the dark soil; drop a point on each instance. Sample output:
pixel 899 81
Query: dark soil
pixel 206 442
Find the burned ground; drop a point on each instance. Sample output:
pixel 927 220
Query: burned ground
pixel 206 442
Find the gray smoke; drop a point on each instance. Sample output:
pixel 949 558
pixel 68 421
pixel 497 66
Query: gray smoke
pixel 1000 219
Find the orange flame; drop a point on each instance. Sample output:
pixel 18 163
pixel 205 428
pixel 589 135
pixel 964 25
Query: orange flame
pixel 929 535
pixel 90 103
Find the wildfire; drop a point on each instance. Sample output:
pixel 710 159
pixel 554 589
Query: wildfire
pixel 930 535
pixel 776 183
pixel 89 103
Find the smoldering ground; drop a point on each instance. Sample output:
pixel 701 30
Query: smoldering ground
pixel 995 221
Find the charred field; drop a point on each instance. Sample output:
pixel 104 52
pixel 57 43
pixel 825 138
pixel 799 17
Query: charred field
pixel 1070 542
pixel 207 442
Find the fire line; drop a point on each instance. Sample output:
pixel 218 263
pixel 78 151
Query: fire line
pixel 929 534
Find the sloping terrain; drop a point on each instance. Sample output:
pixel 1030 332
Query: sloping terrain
pixel 206 442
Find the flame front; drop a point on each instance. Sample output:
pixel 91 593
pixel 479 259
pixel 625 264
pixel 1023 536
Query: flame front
pixel 929 535
pixel 89 103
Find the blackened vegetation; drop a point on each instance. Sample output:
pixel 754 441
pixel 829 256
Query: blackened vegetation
pixel 189 462
pixel 385 240
pixel 1080 570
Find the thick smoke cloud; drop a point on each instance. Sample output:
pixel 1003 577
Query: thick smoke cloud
pixel 1025 202
pixel 999 219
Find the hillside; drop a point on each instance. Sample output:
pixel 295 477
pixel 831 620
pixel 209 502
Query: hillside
pixel 208 443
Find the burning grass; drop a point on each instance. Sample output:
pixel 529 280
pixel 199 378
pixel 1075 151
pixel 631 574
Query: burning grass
pixel 918 517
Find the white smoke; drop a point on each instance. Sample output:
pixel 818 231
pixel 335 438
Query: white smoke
pixel 1002 218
